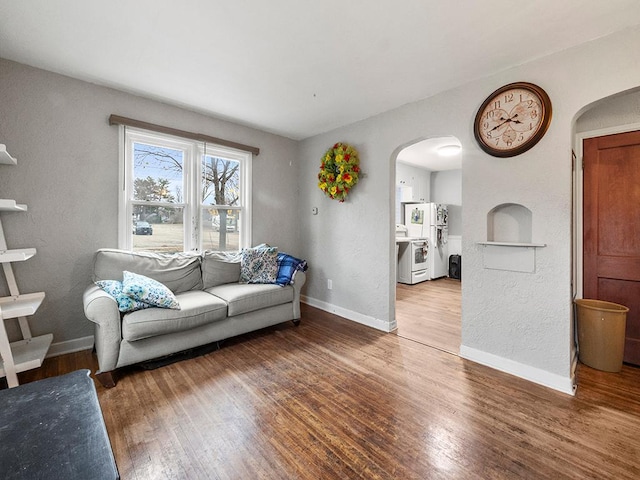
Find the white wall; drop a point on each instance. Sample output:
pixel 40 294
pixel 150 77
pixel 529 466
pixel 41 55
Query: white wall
pixel 622 109
pixel 67 174
pixel 518 322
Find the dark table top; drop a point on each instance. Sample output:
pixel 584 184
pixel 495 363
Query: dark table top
pixel 54 429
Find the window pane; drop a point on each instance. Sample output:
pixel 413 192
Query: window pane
pixel 168 181
pixel 157 174
pixel 220 181
pixel 214 236
pixel 162 231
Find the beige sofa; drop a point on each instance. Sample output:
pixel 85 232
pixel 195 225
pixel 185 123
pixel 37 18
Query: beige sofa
pixel 213 306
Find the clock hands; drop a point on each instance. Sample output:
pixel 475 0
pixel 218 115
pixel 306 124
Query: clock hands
pixel 506 120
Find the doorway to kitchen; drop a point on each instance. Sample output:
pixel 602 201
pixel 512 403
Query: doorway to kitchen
pixel 430 313
pixel 428 221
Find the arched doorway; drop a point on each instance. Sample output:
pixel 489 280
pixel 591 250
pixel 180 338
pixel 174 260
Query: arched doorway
pixel 428 296
pixel 612 123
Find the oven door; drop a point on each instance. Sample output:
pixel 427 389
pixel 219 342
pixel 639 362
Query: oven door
pixel 419 252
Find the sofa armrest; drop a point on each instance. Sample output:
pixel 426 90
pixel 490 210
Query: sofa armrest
pixel 298 281
pixel 102 309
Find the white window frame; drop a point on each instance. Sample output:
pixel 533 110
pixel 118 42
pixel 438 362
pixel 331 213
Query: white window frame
pixel 194 151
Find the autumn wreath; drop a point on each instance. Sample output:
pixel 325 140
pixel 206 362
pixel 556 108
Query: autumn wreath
pixel 339 171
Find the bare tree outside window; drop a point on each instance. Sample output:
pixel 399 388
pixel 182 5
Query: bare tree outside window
pixel 221 187
pixel 158 178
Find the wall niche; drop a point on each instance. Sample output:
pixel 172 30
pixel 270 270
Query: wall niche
pixel 509 222
pixel 509 243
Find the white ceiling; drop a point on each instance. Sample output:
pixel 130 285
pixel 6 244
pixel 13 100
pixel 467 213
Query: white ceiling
pixel 425 155
pixel 295 67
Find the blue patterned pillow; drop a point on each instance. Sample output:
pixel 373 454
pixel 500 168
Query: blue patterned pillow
pixel 259 265
pixel 126 304
pixel 148 290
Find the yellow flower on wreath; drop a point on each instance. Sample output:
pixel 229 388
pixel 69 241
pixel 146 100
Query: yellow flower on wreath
pixel 339 169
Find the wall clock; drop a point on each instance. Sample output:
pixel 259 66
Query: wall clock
pixel 512 119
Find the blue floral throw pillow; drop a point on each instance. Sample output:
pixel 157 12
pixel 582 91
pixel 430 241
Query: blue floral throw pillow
pixel 259 265
pixel 126 304
pixel 148 290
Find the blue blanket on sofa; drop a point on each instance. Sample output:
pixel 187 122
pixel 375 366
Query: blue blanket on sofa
pixel 287 268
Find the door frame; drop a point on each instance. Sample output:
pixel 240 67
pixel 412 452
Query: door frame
pixel 578 270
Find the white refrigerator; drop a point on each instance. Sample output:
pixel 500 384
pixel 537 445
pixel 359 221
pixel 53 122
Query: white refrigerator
pixel 429 220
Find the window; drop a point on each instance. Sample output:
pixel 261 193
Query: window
pixel 182 195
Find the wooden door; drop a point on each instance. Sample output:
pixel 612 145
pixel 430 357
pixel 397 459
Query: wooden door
pixel 612 227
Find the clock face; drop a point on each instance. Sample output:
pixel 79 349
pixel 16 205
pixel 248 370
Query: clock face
pixel 512 119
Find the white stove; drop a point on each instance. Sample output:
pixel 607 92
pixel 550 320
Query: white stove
pixel 413 265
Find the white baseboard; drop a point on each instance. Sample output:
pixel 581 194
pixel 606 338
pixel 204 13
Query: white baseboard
pixel 376 323
pixel 535 375
pixel 70 346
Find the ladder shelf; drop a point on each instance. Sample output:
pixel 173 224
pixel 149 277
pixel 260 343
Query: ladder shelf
pixel 5 158
pixel 20 255
pixel 20 305
pixel 28 353
pixel 8 205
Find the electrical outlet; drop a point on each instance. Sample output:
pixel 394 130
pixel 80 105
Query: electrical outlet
pixel 329 284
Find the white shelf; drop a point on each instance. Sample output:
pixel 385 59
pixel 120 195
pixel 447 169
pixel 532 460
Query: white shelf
pixel 29 353
pixel 510 256
pixel 5 158
pixel 8 256
pixel 8 205
pixel 20 305
pixel 514 244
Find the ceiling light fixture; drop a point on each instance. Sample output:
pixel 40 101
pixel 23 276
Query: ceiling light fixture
pixel 449 150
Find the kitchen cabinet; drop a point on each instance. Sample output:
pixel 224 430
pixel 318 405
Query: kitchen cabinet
pixel 414 184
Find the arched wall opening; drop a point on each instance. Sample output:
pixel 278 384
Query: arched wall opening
pixel 607 117
pixel 424 176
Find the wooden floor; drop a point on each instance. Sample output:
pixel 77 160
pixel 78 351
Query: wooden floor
pixel 332 399
pixel 430 313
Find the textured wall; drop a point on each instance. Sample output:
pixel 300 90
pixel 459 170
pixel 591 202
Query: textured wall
pixel 623 109
pixel 521 318
pixel 67 174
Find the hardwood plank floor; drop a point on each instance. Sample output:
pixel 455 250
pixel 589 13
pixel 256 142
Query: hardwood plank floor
pixel 430 313
pixel 332 399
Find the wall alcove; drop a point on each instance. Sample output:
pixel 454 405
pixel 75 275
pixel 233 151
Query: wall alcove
pixel 509 243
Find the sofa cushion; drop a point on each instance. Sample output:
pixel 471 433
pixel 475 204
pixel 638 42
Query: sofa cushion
pixel 180 272
pixel 247 297
pixel 220 267
pixel 197 308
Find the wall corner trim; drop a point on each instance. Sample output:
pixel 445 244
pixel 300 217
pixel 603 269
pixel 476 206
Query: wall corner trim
pixel 527 372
